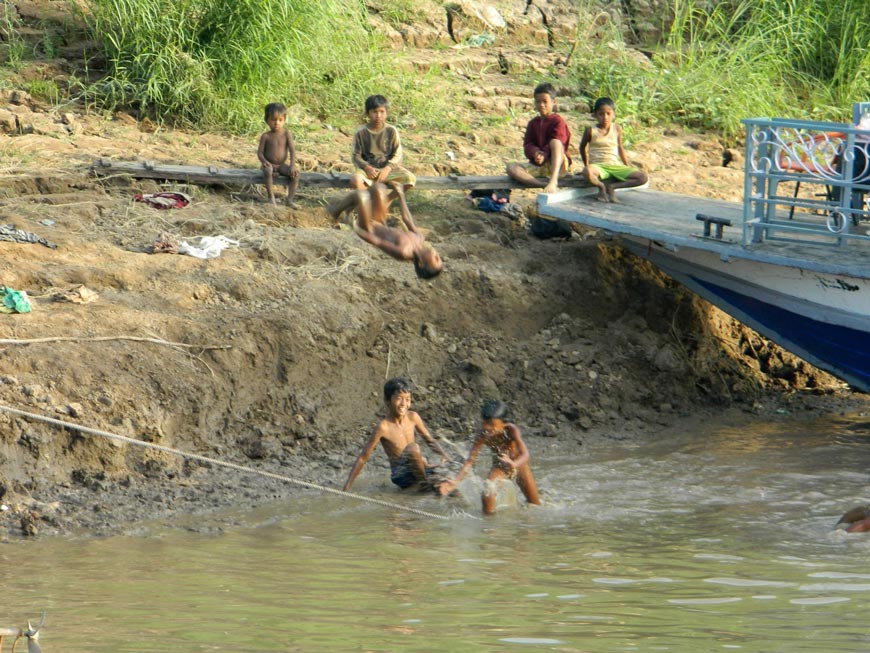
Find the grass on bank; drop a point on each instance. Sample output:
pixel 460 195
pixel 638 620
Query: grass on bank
pixel 718 62
pixel 213 65
pixel 216 64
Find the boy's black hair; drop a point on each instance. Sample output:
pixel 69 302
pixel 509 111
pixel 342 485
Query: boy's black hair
pixel 274 109
pixel 546 87
pixel 603 102
pixel 375 102
pixel 493 409
pixel 397 384
pixel 424 271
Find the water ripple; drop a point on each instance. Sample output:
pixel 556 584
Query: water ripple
pixel 746 582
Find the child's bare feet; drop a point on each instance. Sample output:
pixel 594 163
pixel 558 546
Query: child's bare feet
pixel 552 187
pixel 611 195
pixel 602 196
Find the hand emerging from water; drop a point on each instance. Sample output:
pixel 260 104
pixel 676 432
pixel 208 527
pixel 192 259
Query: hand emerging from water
pixel 446 488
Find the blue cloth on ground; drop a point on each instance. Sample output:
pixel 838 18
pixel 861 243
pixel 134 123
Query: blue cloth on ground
pixel 489 205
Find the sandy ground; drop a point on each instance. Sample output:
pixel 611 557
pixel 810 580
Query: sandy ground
pixel 273 355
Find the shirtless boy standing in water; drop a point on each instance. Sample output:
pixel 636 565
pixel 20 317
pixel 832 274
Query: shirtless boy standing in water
pixel 396 433
pixel 510 458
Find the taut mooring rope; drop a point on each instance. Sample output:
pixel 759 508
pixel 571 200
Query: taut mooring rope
pixel 220 463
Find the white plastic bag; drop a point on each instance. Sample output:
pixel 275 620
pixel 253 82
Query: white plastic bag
pixel 209 246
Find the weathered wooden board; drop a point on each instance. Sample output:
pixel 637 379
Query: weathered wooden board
pixel 211 175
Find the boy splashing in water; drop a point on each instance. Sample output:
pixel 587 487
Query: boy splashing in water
pixel 510 458
pixel 396 434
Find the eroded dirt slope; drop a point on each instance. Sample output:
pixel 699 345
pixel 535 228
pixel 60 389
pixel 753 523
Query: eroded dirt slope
pixel 291 334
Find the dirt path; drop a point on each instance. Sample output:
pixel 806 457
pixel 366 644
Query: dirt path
pixel 307 321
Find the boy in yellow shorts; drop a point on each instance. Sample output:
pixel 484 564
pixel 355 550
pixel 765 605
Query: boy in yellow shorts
pixel 606 165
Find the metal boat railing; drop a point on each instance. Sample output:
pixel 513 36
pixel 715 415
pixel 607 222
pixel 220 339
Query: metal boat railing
pixel 807 181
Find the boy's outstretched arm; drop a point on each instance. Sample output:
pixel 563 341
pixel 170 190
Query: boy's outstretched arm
pixel 362 458
pixel 403 207
pixel 448 486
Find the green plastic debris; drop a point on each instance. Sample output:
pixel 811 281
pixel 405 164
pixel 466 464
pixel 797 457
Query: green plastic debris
pixel 15 301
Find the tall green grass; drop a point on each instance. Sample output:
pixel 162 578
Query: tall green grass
pixel 216 63
pixel 13 50
pixel 719 62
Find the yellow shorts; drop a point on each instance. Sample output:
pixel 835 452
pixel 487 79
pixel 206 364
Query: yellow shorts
pixel 544 171
pixel 398 174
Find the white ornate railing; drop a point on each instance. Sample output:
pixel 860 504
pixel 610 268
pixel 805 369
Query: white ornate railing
pixel 806 181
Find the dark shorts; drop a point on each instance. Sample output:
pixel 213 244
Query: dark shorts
pixel 509 471
pixel 403 476
pixel 403 473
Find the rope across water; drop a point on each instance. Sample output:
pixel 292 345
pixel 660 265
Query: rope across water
pixel 220 463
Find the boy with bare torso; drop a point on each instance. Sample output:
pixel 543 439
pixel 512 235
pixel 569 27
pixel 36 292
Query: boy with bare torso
pixel 396 434
pixel 510 458
pixel 403 245
pixel 276 151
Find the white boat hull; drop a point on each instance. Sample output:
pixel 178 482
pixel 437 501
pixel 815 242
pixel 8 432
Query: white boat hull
pixel 813 301
pixel 822 318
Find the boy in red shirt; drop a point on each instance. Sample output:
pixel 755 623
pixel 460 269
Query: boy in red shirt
pixel 545 145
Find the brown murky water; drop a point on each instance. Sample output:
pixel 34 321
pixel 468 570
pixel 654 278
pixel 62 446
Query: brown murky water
pixel 709 541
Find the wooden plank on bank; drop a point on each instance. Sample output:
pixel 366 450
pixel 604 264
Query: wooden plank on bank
pixel 211 175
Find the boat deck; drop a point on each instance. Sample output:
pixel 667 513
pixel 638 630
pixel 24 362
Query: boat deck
pixel 671 219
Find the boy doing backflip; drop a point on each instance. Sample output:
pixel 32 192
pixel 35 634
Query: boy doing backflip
pixel 276 151
pixel 510 458
pixel 603 155
pixel 409 245
pixel 545 145
pixel 396 434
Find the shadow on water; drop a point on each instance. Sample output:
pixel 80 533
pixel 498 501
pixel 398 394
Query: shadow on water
pixel 689 542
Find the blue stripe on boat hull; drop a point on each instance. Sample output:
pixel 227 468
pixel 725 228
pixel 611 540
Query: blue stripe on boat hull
pixel 842 351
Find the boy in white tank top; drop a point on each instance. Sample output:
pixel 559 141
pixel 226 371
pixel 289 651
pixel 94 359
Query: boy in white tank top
pixel 605 161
